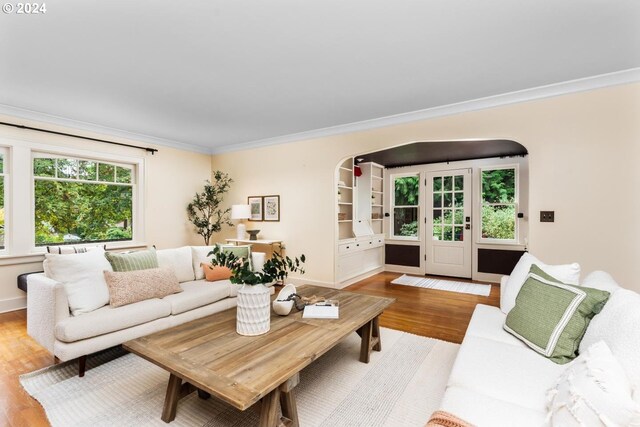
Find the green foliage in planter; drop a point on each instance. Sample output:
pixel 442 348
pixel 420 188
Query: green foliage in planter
pixel 279 267
pixel 276 268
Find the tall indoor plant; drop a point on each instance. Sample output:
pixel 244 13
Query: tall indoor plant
pixel 205 211
pixel 254 302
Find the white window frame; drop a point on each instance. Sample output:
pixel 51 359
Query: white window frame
pixel 393 206
pixel 516 204
pixel 134 183
pixel 19 196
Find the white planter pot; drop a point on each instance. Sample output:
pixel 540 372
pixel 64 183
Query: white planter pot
pixel 254 310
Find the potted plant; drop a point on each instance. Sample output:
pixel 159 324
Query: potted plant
pixel 254 302
pixel 205 211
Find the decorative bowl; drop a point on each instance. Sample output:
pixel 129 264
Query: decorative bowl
pixel 280 306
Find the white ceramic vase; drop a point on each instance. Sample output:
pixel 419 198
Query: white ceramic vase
pixel 254 310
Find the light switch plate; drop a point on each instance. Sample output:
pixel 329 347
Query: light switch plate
pixel 547 216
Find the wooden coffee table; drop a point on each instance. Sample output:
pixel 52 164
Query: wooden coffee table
pixel 208 356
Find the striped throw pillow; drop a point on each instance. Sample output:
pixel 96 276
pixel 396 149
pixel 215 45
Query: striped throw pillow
pixel 551 317
pixel 131 261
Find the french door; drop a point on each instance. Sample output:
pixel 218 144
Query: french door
pixel 448 223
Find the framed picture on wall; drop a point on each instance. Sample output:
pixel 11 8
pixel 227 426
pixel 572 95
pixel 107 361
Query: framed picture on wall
pixel 271 208
pixel 255 204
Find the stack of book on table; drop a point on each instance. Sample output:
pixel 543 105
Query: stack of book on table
pixel 322 310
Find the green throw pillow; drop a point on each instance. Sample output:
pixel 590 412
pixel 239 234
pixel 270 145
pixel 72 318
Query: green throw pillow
pixel 551 317
pixel 139 260
pixel 242 251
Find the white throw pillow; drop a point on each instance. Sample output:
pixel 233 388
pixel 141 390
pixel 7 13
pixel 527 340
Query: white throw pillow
pixel 600 280
pixel 199 255
pixel 566 273
pixel 257 261
pixel 82 277
pixel 618 324
pixel 179 260
pixel 593 391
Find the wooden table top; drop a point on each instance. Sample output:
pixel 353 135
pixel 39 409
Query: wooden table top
pixel 239 370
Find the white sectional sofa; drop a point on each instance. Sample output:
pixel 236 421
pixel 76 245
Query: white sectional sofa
pixel 50 322
pixel 498 381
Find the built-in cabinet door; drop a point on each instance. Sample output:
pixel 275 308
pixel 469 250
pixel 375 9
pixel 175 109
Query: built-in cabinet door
pixel 448 220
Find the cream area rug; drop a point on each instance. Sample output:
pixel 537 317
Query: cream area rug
pixel 444 285
pixel 401 386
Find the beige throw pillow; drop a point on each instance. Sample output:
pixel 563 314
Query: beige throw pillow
pixel 127 287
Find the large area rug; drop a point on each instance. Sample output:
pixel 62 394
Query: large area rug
pixel 444 285
pixel 401 386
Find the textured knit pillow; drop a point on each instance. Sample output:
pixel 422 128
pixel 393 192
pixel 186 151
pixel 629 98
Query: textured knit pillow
pixel 212 273
pixel 593 391
pixel 619 326
pixel 551 317
pixel 127 287
pixel 139 260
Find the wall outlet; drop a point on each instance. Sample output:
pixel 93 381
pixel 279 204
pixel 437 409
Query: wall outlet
pixel 547 216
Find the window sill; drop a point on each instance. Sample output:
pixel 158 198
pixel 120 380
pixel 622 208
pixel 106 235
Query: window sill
pixel 38 254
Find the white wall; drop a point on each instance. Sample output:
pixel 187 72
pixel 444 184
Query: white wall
pixel 583 155
pixel 171 178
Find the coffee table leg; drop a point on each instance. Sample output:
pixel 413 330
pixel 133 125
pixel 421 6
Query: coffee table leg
pixel 365 345
pixel 288 400
pixel 376 335
pixel 269 409
pixel 171 399
pixel 370 333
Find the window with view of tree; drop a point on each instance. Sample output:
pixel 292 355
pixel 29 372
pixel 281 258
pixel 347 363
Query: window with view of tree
pixel 499 203
pixel 2 198
pixel 79 200
pixel 405 205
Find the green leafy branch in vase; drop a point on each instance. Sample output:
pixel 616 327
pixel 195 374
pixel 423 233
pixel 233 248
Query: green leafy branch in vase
pixel 275 269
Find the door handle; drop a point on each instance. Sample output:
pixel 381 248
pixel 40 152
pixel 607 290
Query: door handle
pixel 467 226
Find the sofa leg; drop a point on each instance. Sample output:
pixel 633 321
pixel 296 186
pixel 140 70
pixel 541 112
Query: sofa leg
pixel 82 364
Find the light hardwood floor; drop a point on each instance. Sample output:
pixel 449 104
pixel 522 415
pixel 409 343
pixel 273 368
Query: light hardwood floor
pixel 439 314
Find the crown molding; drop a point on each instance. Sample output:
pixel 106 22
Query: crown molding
pixel 557 89
pixel 44 118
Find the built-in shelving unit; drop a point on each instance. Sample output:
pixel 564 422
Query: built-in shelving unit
pixel 345 198
pixel 360 249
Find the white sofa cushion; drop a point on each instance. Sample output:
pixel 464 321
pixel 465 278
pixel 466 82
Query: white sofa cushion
pixel 593 391
pixel 506 372
pixel 108 319
pixel 481 410
pixel 486 322
pixel 179 260
pixel 618 325
pixel 600 280
pixel 199 255
pixel 566 273
pixel 197 294
pixel 82 277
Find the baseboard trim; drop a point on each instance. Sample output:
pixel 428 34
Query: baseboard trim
pixel 359 277
pixel 392 268
pixel 299 281
pixel 13 304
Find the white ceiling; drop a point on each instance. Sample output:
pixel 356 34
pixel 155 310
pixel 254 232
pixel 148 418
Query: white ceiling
pixel 216 75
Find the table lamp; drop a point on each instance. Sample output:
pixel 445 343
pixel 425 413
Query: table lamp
pixel 240 212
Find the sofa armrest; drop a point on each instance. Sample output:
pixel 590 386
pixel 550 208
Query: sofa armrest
pixel 47 304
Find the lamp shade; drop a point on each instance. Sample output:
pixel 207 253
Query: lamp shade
pixel 240 211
